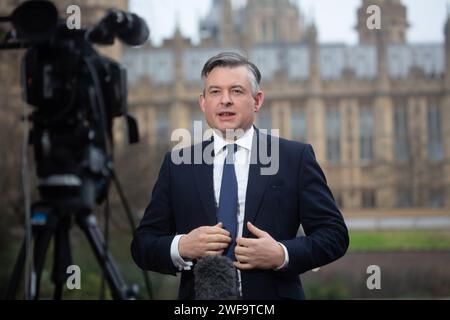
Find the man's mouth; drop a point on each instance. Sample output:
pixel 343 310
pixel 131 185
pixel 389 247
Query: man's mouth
pixel 226 114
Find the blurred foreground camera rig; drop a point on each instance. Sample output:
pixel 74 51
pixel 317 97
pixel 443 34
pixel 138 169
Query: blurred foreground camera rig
pixel 75 94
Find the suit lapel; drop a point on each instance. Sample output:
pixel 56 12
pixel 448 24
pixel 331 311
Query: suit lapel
pixel 256 185
pixel 203 175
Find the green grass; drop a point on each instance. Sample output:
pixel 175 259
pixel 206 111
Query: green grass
pixel 399 240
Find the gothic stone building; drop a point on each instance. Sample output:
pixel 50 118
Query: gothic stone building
pixel 377 113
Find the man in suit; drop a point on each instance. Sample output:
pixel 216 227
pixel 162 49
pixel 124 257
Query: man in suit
pixel 231 206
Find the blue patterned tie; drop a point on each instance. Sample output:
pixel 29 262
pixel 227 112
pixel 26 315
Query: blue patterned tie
pixel 228 202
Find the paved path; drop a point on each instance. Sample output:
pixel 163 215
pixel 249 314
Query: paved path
pixel 377 223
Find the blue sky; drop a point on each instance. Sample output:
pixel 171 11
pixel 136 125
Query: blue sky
pixel 335 22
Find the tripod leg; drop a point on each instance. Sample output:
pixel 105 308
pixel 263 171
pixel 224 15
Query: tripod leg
pixel 43 237
pixel 42 231
pixel 119 289
pixel 62 256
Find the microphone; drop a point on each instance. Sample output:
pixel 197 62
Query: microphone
pixel 129 27
pixel 215 278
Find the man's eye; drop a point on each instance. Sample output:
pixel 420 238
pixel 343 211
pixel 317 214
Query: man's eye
pixel 236 91
pixel 214 92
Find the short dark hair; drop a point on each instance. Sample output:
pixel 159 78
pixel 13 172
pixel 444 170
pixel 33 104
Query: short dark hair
pixel 233 59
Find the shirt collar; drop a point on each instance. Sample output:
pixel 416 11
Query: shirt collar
pixel 245 141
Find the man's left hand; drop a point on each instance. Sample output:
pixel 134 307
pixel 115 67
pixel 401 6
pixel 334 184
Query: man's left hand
pixel 260 253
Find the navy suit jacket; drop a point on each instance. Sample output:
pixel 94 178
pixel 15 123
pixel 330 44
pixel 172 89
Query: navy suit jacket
pixel 183 199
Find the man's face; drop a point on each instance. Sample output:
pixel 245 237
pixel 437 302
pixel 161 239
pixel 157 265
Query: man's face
pixel 228 102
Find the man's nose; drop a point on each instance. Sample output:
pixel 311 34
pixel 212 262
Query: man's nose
pixel 226 98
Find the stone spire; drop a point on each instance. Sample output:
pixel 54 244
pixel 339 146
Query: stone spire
pixel 393 21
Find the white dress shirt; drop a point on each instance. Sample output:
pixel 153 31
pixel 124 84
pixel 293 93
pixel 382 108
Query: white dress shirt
pixel 241 167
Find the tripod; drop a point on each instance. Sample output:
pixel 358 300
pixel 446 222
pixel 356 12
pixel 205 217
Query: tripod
pixel 50 221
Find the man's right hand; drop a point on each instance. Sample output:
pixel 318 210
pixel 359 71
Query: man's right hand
pixel 204 241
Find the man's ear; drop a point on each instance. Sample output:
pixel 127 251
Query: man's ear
pixel 259 99
pixel 201 102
